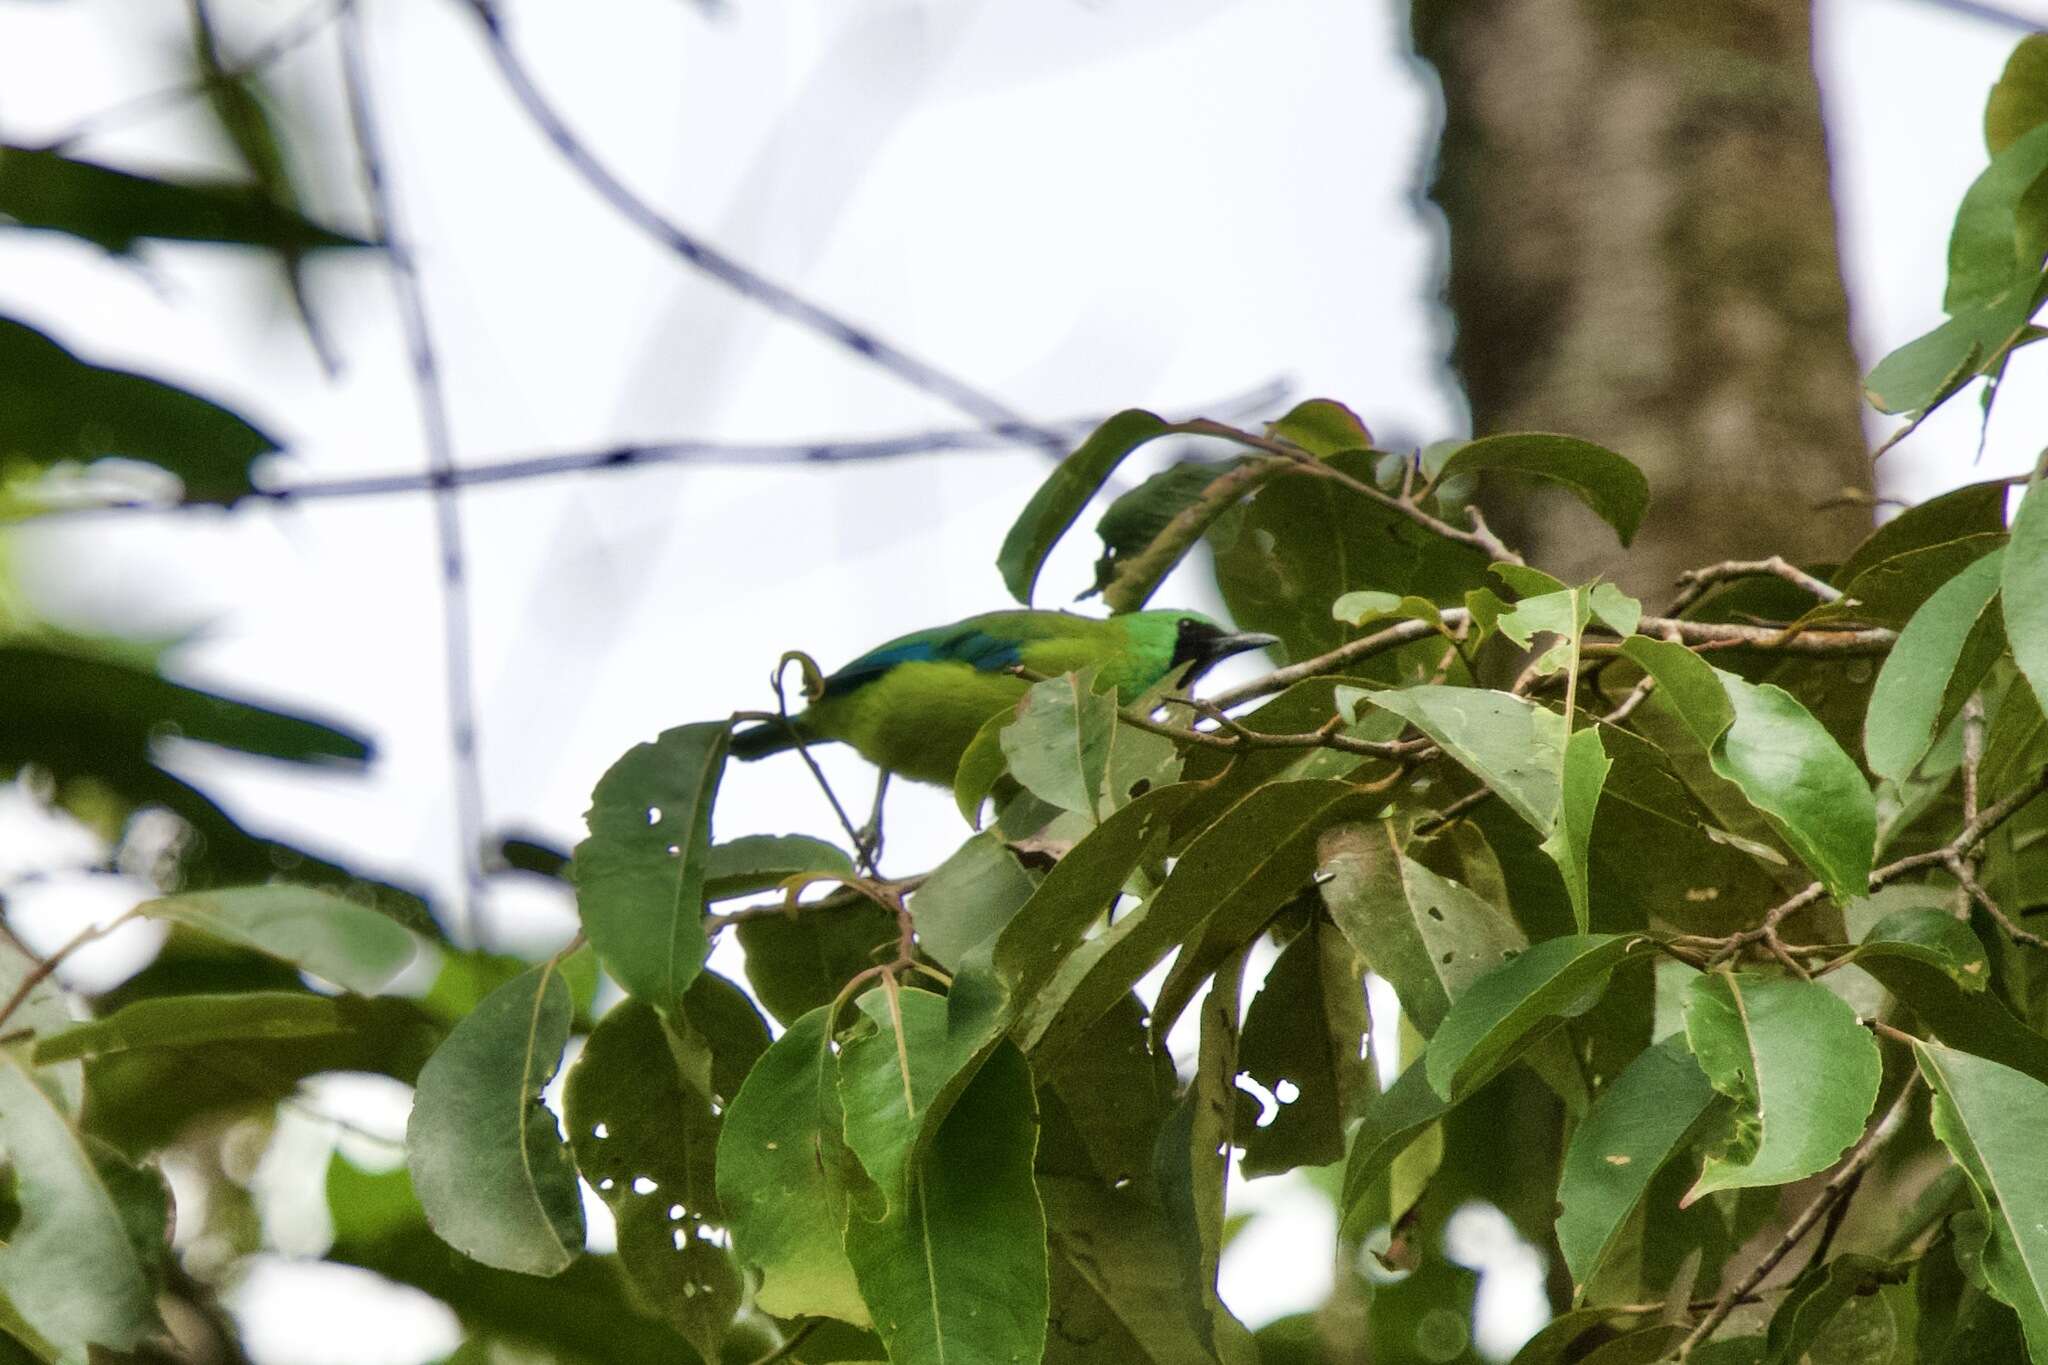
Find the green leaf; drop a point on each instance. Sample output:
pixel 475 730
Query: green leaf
pixel 1509 1010
pixel 2019 100
pixel 1991 1118
pixel 1786 763
pixel 114 209
pixel 1059 744
pixel 56 408
pixel 1391 1122
pixel 1986 253
pixel 760 862
pixel 1118 1297
pixel 646 1138
pixel 782 1178
pixel 1512 745
pixel 43 1012
pixel 1762 1040
pixel 1302 1042
pixel 1172 510
pixel 1059 500
pixel 1817 1296
pixel 1942 654
pixel 1891 590
pixel 486 1156
pixel 797 963
pixel 1933 367
pixel 1429 936
pixel 640 875
pixel 1323 427
pixel 1135 518
pixel 183 1020
pixel 2024 590
pixel 982 766
pixel 1972 510
pixel 1228 883
pixel 1362 608
pixel 1570 839
pixel 1608 483
pixel 955 1271
pixel 331 937
pixel 1638 1123
pixel 71 1263
pixel 969 898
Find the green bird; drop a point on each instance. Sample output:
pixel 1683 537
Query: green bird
pixel 912 706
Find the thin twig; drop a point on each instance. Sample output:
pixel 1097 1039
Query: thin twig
pixel 426 372
pixel 1454 812
pixel 1479 537
pixel 742 454
pixel 803 750
pixel 1628 704
pixel 796 1339
pixel 1965 878
pixel 1837 1186
pixel 290 36
pixel 1693 583
pixel 40 973
pixel 991 412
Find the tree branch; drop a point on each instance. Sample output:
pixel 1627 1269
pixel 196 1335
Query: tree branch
pixel 1693 583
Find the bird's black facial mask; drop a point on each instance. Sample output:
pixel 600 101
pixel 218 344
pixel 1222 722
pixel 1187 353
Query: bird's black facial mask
pixel 1202 645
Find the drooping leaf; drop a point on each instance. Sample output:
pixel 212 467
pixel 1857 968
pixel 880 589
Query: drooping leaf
pixel 1891 590
pixel 1987 251
pixel 1569 842
pixel 2024 591
pixel 317 931
pixel 56 409
pixel 640 875
pixel 1784 761
pixel 646 1138
pixel 1932 368
pixel 1391 1122
pixel 1059 500
pixel 1323 427
pixel 1301 1041
pixel 2019 100
pixel 115 209
pixel 969 898
pixel 1059 744
pixel 782 1178
pixel 1429 936
pixel 71 1264
pixel 1230 881
pixel 1609 484
pixel 1507 1011
pixel 1171 511
pixel 1638 1123
pixel 1941 656
pixel 486 1156
pixel 1118 1297
pixel 185 1020
pixel 1991 1117
pixel 1762 1040
pixel 951 1259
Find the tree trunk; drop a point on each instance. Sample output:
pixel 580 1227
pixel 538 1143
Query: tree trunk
pixel 1642 253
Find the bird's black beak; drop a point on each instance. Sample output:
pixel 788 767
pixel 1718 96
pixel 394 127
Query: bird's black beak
pixel 1203 646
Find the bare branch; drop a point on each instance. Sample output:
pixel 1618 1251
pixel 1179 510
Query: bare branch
pixel 433 403
pixel 1693 583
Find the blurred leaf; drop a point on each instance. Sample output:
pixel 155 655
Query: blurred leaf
pixel 782 1178
pixel 1118 1297
pixel 486 1156
pixel 331 937
pixel 640 875
pixel 950 1255
pixel 1323 427
pixel 2019 100
pixel 585 1314
pixel 2024 590
pixel 1059 500
pixel 56 409
pixel 541 858
pixel 1786 763
pixel 1102 1106
pixel 1228 883
pixel 1638 1123
pixel 1972 510
pixel 71 1263
pixel 1942 654
pixel 1990 1117
pixel 114 209
pixel 969 898
pixel 760 862
pixel 1814 1299
pixel 1426 1316
pixel 1429 936
pixel 1302 1038
pixel 797 963
pixel 182 1020
pixel 1609 484
pixel 1762 1040
pixel 1507 1011
pixel 646 1138
pixel 1391 1122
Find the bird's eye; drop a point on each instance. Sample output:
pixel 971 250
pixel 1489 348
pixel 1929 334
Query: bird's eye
pixel 1187 623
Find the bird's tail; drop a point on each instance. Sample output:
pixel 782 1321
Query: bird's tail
pixel 759 741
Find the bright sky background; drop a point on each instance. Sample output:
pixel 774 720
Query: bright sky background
pixel 1075 206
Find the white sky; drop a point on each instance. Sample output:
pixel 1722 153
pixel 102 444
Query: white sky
pixel 1075 206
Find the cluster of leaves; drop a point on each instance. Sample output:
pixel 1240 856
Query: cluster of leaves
pixel 1681 912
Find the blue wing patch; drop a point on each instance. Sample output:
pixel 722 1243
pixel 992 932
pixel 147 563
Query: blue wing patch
pixel 980 651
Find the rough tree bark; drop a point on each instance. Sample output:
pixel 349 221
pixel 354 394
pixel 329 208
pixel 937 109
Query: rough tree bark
pixel 1642 252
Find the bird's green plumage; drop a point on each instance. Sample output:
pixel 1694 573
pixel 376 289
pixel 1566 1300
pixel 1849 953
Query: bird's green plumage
pixel 912 705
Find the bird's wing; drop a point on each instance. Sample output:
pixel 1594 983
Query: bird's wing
pixel 960 644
